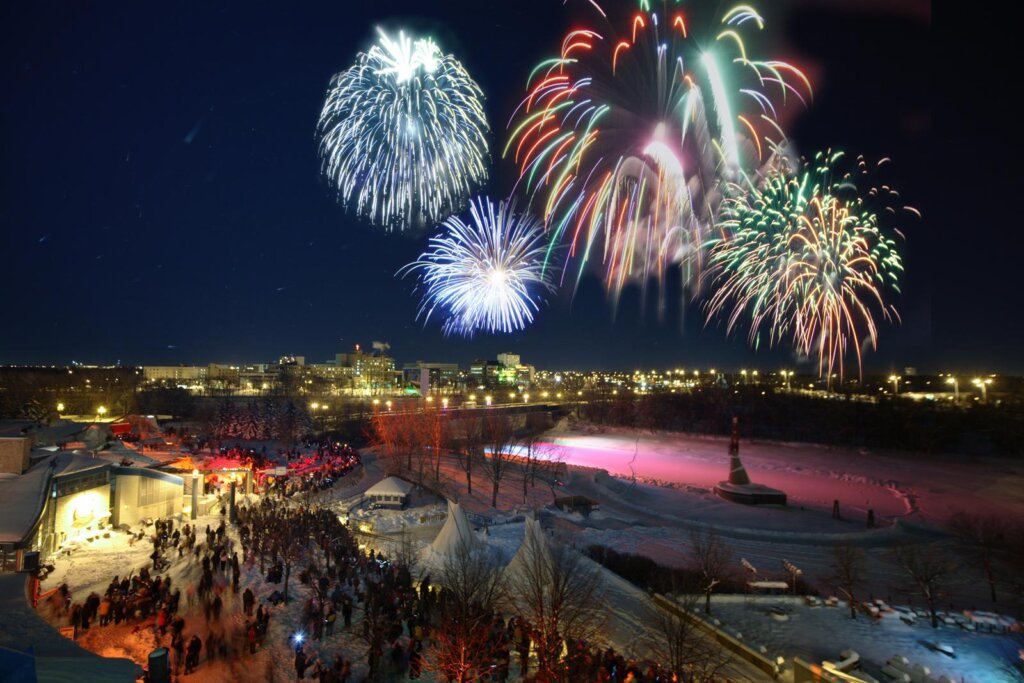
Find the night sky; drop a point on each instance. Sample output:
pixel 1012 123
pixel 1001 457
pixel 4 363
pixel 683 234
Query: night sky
pixel 161 201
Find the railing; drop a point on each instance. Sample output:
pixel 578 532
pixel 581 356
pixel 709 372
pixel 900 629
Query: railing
pixel 724 639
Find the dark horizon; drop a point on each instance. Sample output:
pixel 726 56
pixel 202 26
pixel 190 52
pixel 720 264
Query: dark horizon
pixel 163 203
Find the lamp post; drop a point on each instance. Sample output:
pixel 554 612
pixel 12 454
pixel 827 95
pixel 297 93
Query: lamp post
pixel 487 400
pixel 983 385
pixel 895 379
pixel 744 373
pixel 60 408
pixel 786 376
pixel 195 493
pixel 100 412
pixel 956 387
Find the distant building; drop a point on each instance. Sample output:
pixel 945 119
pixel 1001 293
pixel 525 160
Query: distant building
pixel 174 374
pixel 371 373
pixel 485 373
pixel 509 360
pixel 441 377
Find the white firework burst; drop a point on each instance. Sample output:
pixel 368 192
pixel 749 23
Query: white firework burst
pixel 487 275
pixel 403 133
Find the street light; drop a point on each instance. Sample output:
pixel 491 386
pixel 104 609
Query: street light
pixel 388 404
pixel 786 376
pixel 101 411
pixel 956 387
pixel 487 400
pixel 983 385
pixel 60 408
pixel 444 403
pixel 895 379
pixel 526 398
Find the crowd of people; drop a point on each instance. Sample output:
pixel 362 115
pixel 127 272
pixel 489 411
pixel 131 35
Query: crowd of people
pixel 391 621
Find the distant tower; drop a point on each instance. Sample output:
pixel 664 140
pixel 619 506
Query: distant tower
pixel 737 473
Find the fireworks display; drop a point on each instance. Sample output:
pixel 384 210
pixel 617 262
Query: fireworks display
pixel 652 145
pixel 624 137
pixel 486 275
pixel 403 133
pixel 806 256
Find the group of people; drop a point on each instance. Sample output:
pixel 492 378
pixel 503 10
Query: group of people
pixel 309 555
pixel 315 470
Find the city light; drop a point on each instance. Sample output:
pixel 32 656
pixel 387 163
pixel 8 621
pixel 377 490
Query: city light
pixel 982 384
pixel 956 386
pixel 895 379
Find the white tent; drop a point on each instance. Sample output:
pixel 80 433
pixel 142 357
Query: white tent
pixel 534 541
pixel 456 530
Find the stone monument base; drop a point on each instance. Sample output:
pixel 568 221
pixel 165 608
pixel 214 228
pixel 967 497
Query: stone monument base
pixel 750 494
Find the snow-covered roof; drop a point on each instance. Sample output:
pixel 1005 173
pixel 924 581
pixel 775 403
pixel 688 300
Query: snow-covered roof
pixel 22 497
pixel 57 432
pixel 392 486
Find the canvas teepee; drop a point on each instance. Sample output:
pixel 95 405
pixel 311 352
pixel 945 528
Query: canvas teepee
pixel 456 529
pixel 534 541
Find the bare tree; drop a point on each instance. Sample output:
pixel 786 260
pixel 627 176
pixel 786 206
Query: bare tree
pixel 472 592
pixel 679 644
pixel 848 567
pixel 983 537
pixel 499 444
pixel 533 453
pixel 1011 562
pixel 711 559
pixel 557 592
pixel 931 571
pixel 469 433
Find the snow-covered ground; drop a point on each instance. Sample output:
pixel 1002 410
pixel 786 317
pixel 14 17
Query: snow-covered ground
pixel 820 633
pixel 894 485
pixel 92 567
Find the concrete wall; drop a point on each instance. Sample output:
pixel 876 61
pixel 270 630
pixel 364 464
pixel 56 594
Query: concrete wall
pixel 164 500
pixel 14 452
